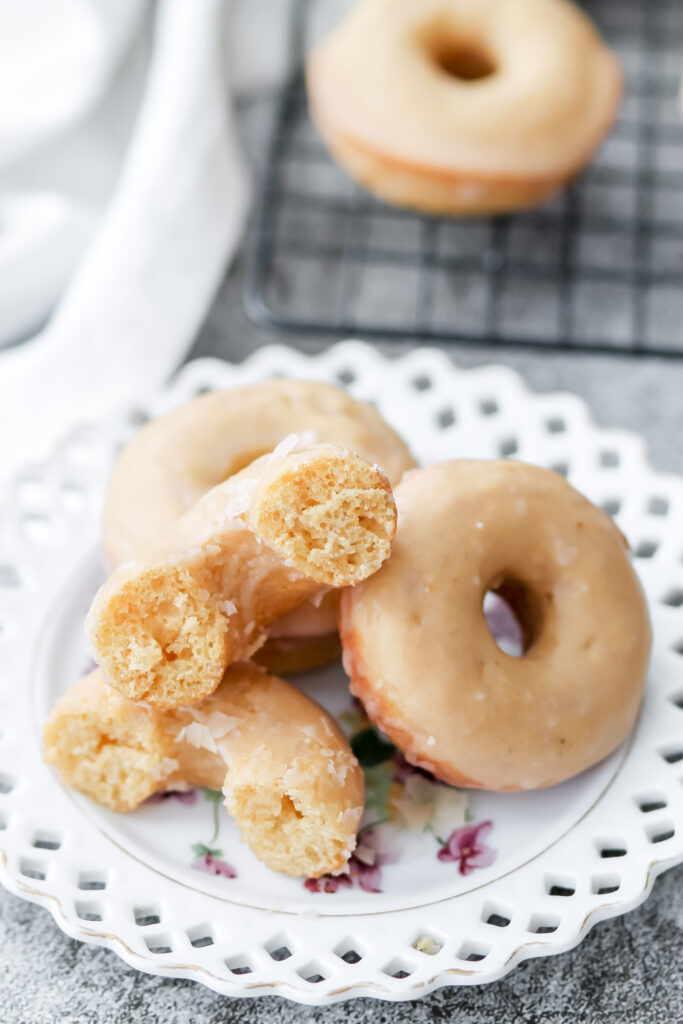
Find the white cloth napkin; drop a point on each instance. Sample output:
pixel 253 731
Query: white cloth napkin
pixel 146 282
pixel 61 65
pixel 42 238
pixel 56 59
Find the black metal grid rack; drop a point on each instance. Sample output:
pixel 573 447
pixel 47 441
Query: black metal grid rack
pixel 599 268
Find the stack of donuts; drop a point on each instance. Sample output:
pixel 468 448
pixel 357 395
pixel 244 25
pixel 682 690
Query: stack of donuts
pixel 249 529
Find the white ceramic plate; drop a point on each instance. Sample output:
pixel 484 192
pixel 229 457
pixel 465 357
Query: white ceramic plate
pixel 550 865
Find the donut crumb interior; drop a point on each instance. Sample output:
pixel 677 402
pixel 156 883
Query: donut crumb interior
pixel 157 634
pixel 110 757
pixel 335 524
pixel 287 828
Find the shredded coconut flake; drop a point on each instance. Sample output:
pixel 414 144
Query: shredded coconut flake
pixel 287 444
pixel 425 944
pixel 346 661
pixel 166 766
pixel 339 771
pixel 239 501
pixel 366 854
pixel 350 816
pixel 219 723
pixel 197 735
pixel 327 727
pixel 317 599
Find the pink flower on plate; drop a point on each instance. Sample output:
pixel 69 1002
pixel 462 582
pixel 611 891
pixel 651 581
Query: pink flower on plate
pixel 364 866
pixel 328 883
pixel 183 796
pixel 467 848
pixel 503 625
pixel 369 875
pixel 404 770
pixel 208 860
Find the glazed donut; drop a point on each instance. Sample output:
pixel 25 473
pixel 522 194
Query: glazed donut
pixel 287 773
pixel 423 662
pixel 450 106
pixel 177 458
pixel 164 628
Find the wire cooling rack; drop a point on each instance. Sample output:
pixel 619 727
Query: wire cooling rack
pixel 599 268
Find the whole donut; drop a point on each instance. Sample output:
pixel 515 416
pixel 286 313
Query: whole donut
pixel 450 106
pixel 174 460
pixel 420 654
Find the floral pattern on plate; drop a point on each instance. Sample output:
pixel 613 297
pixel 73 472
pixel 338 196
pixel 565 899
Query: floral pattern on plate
pixel 406 808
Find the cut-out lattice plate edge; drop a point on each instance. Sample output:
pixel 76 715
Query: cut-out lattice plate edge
pixel 51 854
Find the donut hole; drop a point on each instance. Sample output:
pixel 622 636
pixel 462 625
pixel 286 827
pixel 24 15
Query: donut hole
pixel 465 61
pixel 512 616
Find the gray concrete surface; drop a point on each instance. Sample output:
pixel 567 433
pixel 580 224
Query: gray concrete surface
pixel 628 970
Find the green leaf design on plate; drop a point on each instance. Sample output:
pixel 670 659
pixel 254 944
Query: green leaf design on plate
pixel 200 850
pixel 378 782
pixel 215 796
pixel 371 749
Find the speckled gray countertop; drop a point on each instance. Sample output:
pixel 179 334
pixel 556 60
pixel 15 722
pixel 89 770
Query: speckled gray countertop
pixel 628 970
